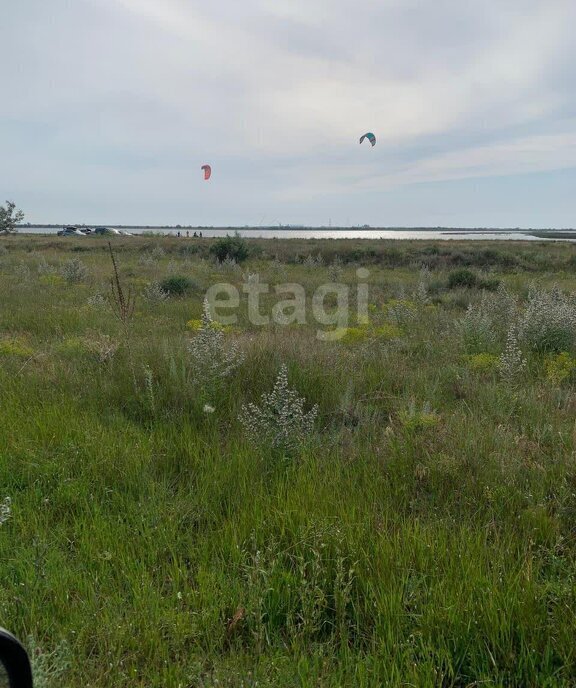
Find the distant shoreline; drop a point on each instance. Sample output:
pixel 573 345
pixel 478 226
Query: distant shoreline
pixel 294 228
pixel 327 233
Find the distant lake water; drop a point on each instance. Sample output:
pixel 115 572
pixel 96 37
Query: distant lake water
pixel 319 233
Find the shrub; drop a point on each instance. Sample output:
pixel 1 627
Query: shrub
pixel 43 267
pixel 48 667
pixel 147 261
pixel 74 271
pixel 314 261
pixel 401 311
pixel 548 323
pixel 230 248
pixel 335 271
pixel 488 322
pixel 476 330
pixel 279 420
pixel 462 278
pixel 153 293
pixel 9 218
pixel 102 347
pixel 22 273
pixel 177 285
pixel 211 358
pixel 228 265
pixel 502 308
pixel 97 301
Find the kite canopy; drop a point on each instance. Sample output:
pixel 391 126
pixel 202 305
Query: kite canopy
pixel 370 136
pixel 207 171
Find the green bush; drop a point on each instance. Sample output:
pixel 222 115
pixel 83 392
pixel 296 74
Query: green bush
pixel 230 248
pixel 177 285
pixel 488 284
pixel 462 278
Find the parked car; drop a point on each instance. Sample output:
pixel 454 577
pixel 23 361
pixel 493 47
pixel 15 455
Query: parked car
pixel 65 229
pixel 71 231
pixel 85 230
pixel 106 231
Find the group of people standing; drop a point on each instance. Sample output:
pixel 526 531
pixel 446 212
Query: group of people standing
pixel 196 235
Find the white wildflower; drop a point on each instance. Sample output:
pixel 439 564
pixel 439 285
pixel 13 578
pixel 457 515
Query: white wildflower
pixel 212 358
pixel 251 277
pixel 279 420
pixel 48 666
pixel 148 261
pixel 22 273
pixel 5 510
pixel 228 265
pixel 44 268
pixel 74 271
pixel 422 292
pixel 102 346
pixel 97 301
pixel 149 386
pixel 335 271
pixel 423 285
pixel 153 293
pixel 401 312
pixel 511 363
pixel 208 408
pixel 549 321
pixel 503 307
pixel 278 269
pixel 312 261
pixel 476 329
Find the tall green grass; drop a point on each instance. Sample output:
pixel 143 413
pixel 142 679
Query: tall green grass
pixel 423 535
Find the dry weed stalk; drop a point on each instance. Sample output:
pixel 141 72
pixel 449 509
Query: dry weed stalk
pixel 123 303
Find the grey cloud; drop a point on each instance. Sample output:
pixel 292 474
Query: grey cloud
pixel 124 99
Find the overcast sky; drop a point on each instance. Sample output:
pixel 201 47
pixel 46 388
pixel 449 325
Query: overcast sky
pixel 110 107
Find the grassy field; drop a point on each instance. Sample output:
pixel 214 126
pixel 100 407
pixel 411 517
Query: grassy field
pixel 406 517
